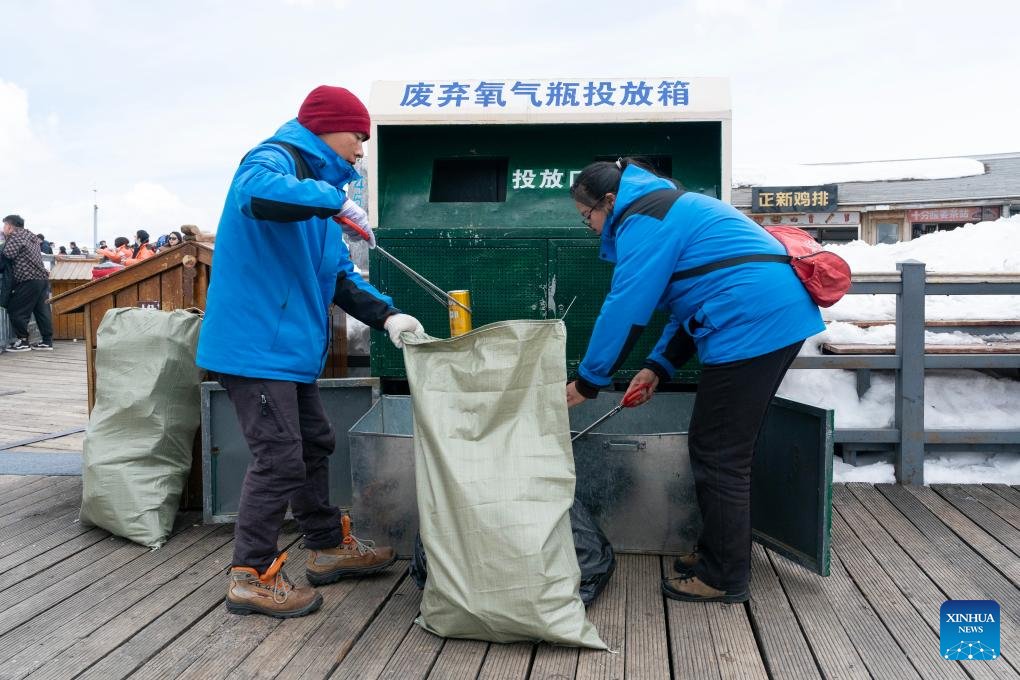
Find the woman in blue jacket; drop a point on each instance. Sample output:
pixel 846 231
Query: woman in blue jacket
pixel 745 322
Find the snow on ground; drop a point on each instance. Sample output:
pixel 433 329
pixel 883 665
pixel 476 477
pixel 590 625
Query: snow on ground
pixel 958 468
pixel 953 399
pixel 788 174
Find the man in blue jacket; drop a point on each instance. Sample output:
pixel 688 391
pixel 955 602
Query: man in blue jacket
pixel 279 262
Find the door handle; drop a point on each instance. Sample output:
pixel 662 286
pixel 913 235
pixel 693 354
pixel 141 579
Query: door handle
pixel 624 445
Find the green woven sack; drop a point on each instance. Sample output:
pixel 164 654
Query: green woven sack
pixel 137 451
pixel 495 480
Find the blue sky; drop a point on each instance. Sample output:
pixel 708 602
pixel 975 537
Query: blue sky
pixel 154 104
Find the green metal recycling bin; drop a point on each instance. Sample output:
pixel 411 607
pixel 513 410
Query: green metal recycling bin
pixel 469 185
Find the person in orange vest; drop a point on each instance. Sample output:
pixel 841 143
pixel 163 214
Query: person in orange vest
pixel 141 251
pixel 122 250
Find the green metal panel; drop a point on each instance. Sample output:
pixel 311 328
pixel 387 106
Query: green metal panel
pixel 575 269
pixel 514 255
pixel 791 483
pixel 506 277
pixel 406 155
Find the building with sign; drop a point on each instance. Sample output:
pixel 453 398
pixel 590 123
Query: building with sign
pixel 889 211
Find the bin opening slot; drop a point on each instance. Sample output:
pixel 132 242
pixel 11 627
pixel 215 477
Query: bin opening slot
pixel 469 180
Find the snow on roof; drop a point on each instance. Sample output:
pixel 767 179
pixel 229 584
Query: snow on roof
pixel 999 181
pixel 789 174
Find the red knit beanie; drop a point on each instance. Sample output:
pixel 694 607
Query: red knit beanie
pixel 334 109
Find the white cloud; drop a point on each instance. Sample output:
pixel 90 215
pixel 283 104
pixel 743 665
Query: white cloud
pixel 171 95
pixel 335 4
pixel 19 145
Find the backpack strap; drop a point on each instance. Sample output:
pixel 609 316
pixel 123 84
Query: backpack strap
pixel 301 168
pixel 659 202
pixel 729 262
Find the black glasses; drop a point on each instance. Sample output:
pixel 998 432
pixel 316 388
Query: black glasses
pixel 586 220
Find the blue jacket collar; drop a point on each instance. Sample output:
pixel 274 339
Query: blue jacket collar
pixel 634 183
pixel 324 161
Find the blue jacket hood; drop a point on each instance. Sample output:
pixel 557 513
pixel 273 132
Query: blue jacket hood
pixel 634 183
pixel 328 166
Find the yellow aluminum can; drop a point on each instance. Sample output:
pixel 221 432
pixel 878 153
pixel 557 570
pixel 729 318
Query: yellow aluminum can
pixel 460 318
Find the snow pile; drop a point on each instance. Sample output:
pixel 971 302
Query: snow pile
pixel 789 174
pixel 960 468
pixel 953 399
pixel 961 399
pixel 986 247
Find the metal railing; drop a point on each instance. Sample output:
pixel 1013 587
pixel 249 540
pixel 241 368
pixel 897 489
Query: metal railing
pixel 908 437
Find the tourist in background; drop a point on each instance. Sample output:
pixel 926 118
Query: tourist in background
pixel 31 286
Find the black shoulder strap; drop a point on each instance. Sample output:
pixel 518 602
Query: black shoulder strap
pixel 657 203
pixel 729 262
pixel 301 168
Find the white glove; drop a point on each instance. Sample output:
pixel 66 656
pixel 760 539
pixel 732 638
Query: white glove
pixel 354 213
pixel 399 323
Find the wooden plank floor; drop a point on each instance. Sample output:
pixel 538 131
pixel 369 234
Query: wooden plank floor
pixel 44 393
pixel 78 602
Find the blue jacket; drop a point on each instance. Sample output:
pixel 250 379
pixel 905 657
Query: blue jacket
pixel 276 263
pixel 732 314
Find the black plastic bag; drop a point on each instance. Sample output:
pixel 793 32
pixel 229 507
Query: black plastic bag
pixel 595 555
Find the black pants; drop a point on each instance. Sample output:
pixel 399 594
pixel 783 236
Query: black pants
pixel 290 440
pixel 728 414
pixel 28 298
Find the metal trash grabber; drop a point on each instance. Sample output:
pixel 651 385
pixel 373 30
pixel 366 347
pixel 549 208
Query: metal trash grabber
pixel 598 422
pixel 440 295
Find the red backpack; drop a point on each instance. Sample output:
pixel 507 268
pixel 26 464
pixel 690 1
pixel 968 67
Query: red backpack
pixel 825 275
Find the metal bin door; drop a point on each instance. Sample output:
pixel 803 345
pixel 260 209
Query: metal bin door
pixel 791 487
pixel 225 454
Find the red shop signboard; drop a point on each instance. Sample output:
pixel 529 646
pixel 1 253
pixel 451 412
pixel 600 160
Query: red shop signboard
pixel 954 214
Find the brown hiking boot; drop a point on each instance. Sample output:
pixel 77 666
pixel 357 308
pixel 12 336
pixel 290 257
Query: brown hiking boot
pixel 683 564
pixel 693 589
pixel 353 557
pixel 271 593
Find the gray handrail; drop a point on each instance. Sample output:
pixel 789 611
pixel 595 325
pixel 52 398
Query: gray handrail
pixel 911 284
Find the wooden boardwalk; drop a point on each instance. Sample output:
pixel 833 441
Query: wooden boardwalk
pixel 44 394
pixel 80 603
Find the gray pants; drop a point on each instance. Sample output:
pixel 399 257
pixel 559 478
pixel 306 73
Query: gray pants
pixel 28 298
pixel 290 440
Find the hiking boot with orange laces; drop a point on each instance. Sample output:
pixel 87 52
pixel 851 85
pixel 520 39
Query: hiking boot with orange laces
pixel 353 557
pixel 271 593
pixel 693 589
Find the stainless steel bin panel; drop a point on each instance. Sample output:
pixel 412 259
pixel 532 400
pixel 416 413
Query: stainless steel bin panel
pixel 634 474
pixel 385 507
pixel 638 486
pixel 225 454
